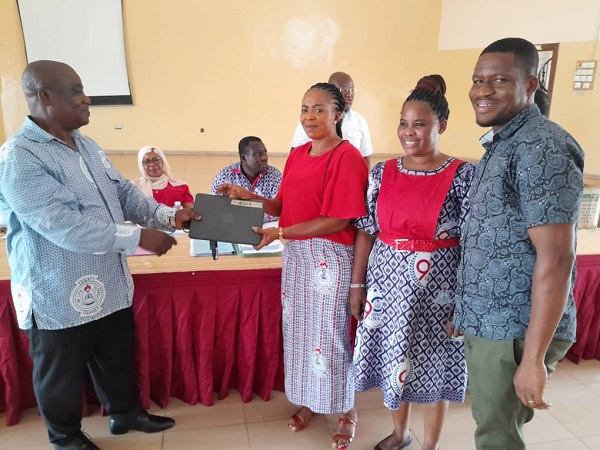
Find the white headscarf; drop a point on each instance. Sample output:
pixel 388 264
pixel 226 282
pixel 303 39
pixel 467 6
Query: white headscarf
pixel 146 183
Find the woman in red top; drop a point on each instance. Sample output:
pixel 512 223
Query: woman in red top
pixel 157 180
pixel 322 190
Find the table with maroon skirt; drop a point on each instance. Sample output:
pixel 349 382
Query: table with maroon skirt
pixel 202 327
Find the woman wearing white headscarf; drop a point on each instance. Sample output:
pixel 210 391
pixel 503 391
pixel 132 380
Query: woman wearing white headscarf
pixel 157 179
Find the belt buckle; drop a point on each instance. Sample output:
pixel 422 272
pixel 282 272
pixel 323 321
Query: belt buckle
pixel 400 241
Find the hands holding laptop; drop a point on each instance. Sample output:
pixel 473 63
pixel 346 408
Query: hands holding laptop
pixel 235 191
pixel 184 216
pixel 268 235
pixel 156 241
pixel 159 242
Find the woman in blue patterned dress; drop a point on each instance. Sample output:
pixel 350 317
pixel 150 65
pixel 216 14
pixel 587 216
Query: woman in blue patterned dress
pixel 406 253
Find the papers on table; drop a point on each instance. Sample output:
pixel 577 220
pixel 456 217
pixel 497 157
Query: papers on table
pixel 274 248
pixel 201 247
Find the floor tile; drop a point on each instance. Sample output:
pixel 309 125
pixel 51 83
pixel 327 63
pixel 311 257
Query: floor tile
pixel 592 442
pixel 233 437
pixel 587 371
pixel 131 441
pixel 566 444
pixel 580 419
pixel 229 411
pixel 545 428
pixel 275 435
pixel 371 399
pixel 29 431
pixel 278 408
pixel 578 394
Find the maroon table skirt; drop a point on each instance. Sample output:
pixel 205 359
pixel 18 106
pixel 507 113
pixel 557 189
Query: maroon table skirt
pixel 205 332
pixel 197 333
pixel 587 298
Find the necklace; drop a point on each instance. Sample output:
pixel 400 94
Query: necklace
pixel 311 152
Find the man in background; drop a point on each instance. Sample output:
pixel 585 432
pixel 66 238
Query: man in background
pixel 354 125
pixel 514 300
pixel 66 209
pixel 252 172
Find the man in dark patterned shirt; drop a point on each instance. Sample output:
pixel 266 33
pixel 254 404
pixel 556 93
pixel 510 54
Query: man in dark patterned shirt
pixel 252 172
pixel 514 299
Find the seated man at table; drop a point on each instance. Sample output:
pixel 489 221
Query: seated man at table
pixel 66 207
pixel 252 172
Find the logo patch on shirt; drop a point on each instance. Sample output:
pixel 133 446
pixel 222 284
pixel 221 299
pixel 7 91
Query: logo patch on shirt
pixel 88 296
pixel 22 302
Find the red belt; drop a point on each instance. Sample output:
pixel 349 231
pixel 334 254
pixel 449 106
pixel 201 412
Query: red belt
pixel 422 245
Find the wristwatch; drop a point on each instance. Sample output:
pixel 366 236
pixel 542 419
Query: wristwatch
pixel 171 218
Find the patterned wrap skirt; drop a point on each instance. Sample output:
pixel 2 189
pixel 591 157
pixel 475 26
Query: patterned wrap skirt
pixel 317 352
pixel 402 346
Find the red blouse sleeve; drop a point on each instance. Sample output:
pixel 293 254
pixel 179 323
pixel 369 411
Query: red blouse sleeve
pixel 187 195
pixel 346 185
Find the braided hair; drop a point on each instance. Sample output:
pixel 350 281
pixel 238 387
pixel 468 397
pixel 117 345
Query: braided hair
pixel 431 89
pixel 338 101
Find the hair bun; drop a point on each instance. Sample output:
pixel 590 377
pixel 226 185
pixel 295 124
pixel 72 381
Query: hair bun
pixel 435 82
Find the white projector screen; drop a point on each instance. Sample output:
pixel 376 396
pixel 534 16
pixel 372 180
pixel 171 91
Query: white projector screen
pixel 85 34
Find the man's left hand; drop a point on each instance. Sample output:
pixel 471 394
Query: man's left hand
pixel 530 381
pixel 184 216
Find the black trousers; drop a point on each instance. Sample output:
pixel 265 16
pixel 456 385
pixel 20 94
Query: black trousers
pixel 106 347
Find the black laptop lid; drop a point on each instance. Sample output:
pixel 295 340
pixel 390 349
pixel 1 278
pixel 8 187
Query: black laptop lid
pixel 226 219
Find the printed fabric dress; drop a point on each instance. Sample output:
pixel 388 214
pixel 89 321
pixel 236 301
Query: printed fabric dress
pixel 316 274
pixel 401 344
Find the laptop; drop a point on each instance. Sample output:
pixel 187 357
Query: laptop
pixel 226 219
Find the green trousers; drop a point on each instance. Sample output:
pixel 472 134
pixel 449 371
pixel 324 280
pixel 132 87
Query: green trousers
pixel 498 412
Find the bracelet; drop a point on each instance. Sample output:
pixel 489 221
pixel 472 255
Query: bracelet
pixel 357 285
pixel 281 237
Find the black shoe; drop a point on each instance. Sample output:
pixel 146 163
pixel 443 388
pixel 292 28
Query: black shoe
pixel 79 441
pixel 121 423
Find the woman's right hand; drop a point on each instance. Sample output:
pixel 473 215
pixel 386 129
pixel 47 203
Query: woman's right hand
pixel 234 191
pixel 268 235
pixel 358 298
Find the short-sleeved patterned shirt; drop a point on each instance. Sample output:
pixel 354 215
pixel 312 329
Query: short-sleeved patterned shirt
pixel 266 184
pixel 68 239
pixel 531 174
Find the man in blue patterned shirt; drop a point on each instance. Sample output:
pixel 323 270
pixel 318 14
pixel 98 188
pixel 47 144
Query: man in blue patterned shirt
pixel 514 300
pixel 66 207
pixel 252 172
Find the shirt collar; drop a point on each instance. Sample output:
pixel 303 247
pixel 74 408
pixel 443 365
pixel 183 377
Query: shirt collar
pixel 512 126
pixel 34 132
